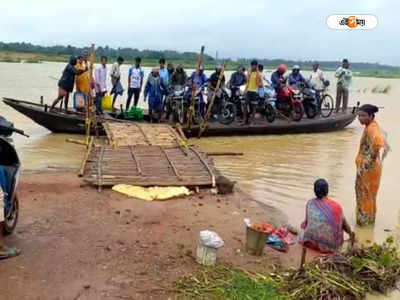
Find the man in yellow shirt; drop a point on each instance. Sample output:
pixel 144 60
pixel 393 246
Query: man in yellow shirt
pixel 82 80
pixel 254 82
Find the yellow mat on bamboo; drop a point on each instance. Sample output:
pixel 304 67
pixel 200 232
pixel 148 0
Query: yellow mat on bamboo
pixel 151 193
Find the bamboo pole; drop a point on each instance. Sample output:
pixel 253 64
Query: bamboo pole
pixel 171 164
pixel 225 153
pixel 85 158
pixel 190 113
pixel 134 156
pixel 89 104
pixel 74 141
pixel 203 124
pixel 100 169
pixel 206 165
pixel 303 258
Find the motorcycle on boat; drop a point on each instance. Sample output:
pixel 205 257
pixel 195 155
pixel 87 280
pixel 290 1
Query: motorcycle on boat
pixel 224 110
pixel 309 99
pixel 288 103
pixel 179 103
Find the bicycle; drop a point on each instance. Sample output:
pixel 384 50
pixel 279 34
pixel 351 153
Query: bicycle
pixel 326 102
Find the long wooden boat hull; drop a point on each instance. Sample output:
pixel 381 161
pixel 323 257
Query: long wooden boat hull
pixel 280 126
pixel 57 121
pixel 61 122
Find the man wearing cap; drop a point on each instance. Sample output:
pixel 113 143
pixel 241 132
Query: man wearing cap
pixel 295 77
pixel 254 82
pixel 344 75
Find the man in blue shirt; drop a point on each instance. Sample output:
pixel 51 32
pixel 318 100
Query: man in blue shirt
pixel 135 83
pixel 202 78
pixel 201 81
pixel 295 77
pixel 163 72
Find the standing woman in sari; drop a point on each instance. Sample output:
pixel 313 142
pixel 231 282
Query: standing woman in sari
pixel 373 149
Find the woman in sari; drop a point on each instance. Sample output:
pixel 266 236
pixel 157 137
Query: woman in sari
pixel 325 222
pixel 373 149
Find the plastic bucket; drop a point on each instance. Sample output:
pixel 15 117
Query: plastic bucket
pixel 106 102
pixel 255 241
pixel 206 255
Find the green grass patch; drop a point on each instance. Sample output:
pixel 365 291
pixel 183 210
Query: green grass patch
pixel 349 274
pixel 227 282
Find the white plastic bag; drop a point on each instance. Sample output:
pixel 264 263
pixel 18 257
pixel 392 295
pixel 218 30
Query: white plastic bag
pixel 210 239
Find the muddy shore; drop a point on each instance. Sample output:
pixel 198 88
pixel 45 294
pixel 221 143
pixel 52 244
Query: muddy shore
pixel 80 244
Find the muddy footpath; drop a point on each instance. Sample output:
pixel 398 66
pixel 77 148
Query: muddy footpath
pixel 78 243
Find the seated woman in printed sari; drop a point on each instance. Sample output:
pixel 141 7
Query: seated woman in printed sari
pixel 325 222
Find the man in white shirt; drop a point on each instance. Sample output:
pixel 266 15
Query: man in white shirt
pixel 317 81
pixel 117 88
pixel 100 78
pixel 317 77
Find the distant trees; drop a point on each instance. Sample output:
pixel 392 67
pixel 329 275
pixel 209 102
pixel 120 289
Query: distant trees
pixel 131 53
pixel 128 53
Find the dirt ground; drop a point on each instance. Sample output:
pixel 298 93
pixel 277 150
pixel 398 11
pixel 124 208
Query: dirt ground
pixel 78 243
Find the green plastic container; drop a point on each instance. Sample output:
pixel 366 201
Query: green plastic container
pixel 135 113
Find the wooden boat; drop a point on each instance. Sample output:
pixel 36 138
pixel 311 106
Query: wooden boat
pixel 71 122
pixel 57 121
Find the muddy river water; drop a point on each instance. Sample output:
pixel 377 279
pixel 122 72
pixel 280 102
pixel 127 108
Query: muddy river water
pixel 277 170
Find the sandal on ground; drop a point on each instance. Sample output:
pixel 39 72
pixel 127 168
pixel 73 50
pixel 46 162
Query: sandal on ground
pixel 8 252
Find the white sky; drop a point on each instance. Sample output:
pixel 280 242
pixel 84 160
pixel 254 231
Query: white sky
pixel 248 28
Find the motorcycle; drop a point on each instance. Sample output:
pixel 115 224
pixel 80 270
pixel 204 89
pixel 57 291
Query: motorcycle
pixel 174 103
pixel 288 103
pixel 224 110
pixel 309 100
pixel 264 104
pixel 180 104
pixel 10 167
pixel 236 96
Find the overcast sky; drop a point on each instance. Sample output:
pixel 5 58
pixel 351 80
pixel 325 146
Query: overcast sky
pixel 247 28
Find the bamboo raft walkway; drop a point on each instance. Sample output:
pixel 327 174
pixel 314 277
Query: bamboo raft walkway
pixel 139 134
pixel 145 155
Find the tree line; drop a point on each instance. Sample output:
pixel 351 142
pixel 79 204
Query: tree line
pixel 131 53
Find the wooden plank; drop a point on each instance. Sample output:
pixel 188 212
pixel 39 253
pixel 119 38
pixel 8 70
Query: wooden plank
pixel 161 166
pixel 144 135
pixel 134 156
pixel 171 164
pixel 206 165
pixel 99 169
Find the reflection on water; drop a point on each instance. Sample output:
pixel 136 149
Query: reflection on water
pixel 277 170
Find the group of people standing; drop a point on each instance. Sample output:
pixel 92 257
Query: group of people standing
pixel 166 77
